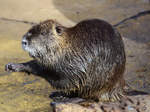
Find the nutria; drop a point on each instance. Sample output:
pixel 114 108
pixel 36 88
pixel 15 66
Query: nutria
pixel 87 59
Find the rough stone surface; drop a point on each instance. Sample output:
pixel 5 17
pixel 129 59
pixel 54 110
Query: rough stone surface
pixel 20 92
pixel 130 104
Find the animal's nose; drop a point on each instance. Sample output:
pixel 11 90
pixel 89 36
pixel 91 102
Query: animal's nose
pixel 24 42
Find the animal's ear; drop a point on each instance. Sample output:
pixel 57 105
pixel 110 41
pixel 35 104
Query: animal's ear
pixel 59 29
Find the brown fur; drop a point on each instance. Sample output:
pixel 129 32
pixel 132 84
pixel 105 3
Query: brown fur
pixel 87 59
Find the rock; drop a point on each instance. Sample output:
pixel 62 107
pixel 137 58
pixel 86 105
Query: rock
pixel 138 103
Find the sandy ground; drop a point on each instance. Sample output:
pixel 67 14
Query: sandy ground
pixel 20 92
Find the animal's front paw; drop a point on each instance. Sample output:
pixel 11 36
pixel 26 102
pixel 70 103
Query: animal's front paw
pixel 11 67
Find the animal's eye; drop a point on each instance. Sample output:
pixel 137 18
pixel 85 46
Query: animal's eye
pixel 59 30
pixel 29 34
pixel 43 33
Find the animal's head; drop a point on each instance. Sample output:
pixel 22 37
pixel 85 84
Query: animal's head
pixel 42 38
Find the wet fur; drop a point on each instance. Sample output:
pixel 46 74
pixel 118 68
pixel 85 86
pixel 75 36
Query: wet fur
pixel 87 59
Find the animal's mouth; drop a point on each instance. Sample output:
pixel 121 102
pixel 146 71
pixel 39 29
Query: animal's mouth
pixel 30 51
pixel 31 55
pixel 26 47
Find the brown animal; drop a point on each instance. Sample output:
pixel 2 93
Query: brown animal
pixel 87 59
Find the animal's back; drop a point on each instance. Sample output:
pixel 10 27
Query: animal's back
pixel 99 54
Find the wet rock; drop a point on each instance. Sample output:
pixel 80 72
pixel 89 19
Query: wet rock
pixel 139 103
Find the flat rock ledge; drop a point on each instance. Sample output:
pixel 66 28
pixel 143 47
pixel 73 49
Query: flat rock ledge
pixel 138 103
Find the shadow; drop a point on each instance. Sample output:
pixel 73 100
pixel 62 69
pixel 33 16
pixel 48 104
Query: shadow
pixel 134 93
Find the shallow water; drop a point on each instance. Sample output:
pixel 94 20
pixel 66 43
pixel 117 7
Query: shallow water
pixel 19 92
